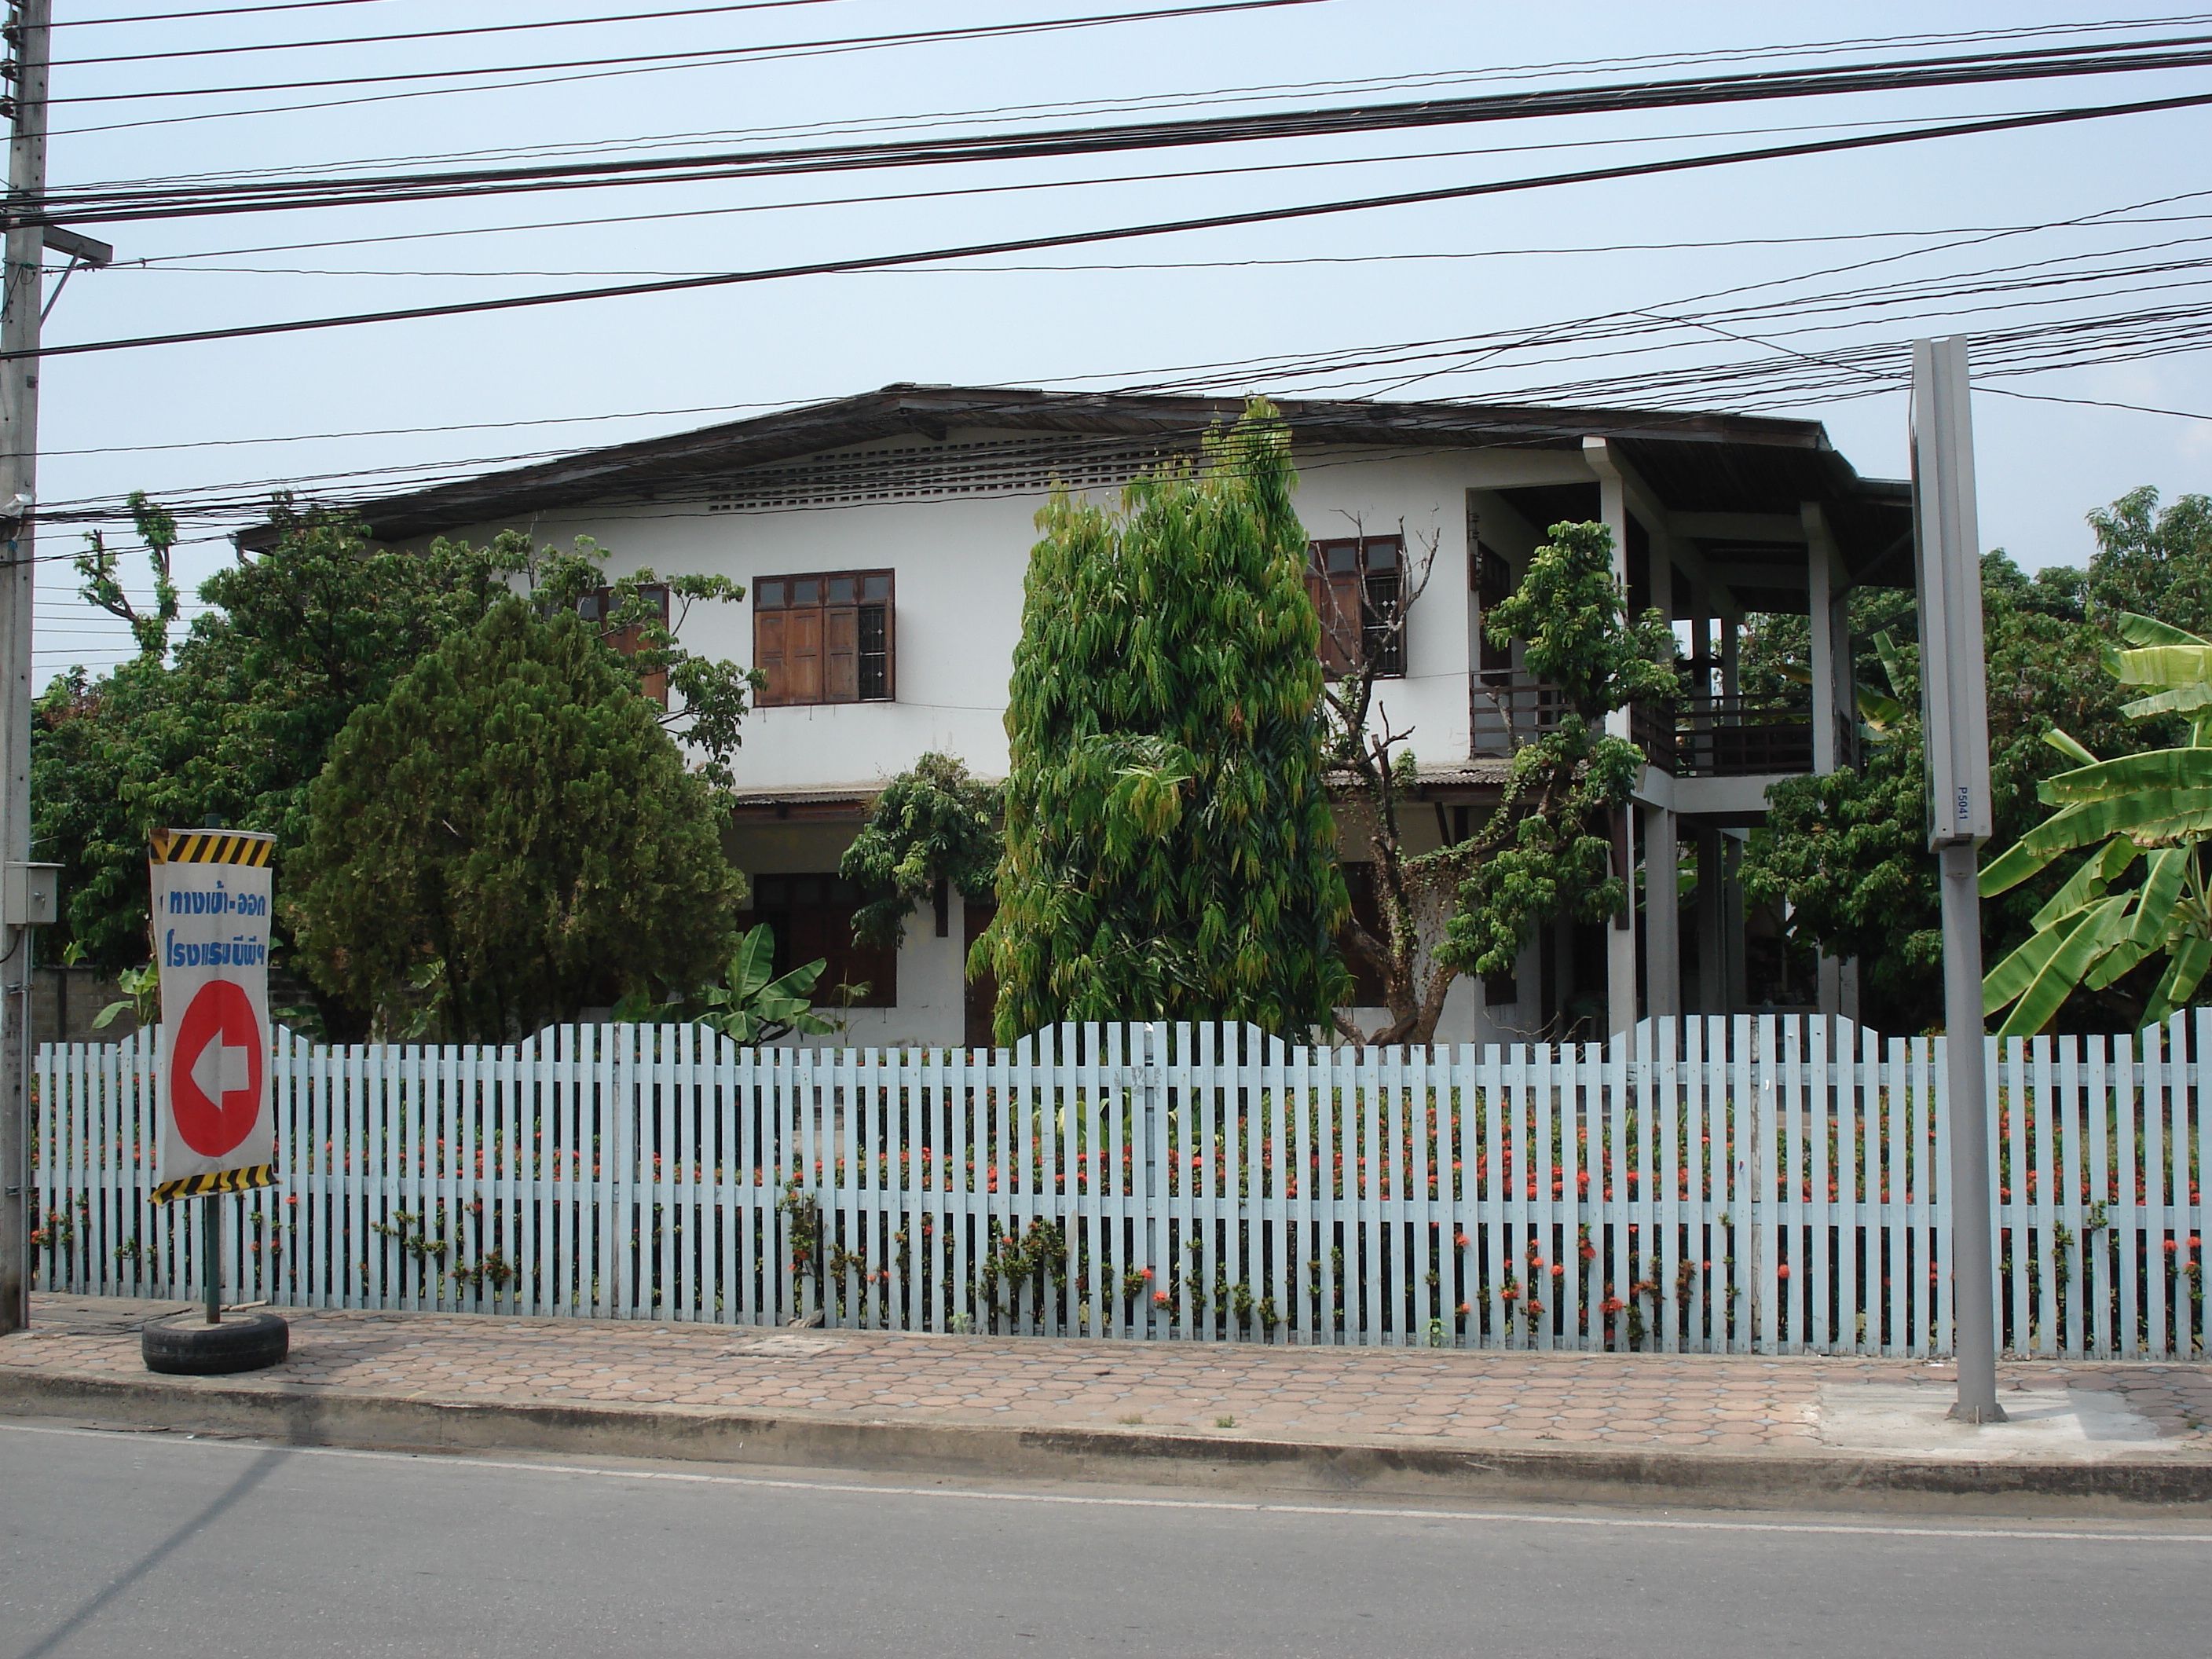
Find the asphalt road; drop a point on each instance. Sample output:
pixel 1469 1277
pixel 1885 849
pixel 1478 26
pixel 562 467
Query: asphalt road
pixel 116 1544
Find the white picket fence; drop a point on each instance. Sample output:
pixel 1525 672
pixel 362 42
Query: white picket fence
pixel 1715 1185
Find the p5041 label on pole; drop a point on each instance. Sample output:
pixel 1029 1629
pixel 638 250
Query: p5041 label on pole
pixel 211 891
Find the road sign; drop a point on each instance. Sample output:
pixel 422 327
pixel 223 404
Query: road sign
pixel 211 893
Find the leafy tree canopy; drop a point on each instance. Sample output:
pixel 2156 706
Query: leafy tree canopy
pixel 2153 561
pixel 1170 848
pixel 239 721
pixel 934 823
pixel 1545 850
pixel 1849 852
pixel 510 833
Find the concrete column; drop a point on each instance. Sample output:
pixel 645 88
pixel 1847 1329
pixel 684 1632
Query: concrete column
pixel 1738 992
pixel 1662 954
pixel 1711 917
pixel 1820 573
pixel 1620 944
pixel 1612 510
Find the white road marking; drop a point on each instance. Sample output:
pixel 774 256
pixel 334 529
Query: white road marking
pixel 1514 1518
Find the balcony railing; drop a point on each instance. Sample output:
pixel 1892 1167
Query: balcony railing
pixel 1730 736
pixel 1742 737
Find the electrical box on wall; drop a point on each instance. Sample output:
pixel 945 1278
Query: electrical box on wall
pixel 31 895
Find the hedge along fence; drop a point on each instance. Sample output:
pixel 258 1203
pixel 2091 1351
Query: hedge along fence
pixel 1712 1185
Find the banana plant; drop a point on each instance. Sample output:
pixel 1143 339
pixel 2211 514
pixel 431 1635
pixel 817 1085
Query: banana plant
pixel 1877 708
pixel 753 1005
pixel 2154 808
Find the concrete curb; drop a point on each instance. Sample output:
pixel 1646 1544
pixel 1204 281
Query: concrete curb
pixel 1445 1469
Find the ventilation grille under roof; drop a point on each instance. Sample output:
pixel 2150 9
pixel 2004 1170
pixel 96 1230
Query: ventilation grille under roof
pixel 908 472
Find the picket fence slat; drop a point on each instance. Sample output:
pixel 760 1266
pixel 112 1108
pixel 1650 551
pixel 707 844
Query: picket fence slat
pixel 1752 1183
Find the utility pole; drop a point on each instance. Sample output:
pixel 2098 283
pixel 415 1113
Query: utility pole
pixel 22 297
pixel 1955 702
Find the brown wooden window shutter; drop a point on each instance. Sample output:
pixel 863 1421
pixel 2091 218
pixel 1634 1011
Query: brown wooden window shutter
pixel 802 655
pixel 824 638
pixel 841 652
pixel 1357 583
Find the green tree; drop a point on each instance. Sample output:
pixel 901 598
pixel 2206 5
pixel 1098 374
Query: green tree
pixel 2153 562
pixel 511 834
pixel 1849 852
pixel 1170 848
pixel 239 722
pixel 932 825
pixel 1545 850
pixel 103 587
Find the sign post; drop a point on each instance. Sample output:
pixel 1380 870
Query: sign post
pixel 1954 708
pixel 211 889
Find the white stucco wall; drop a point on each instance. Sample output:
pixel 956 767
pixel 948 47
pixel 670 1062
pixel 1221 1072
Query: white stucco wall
pixel 959 562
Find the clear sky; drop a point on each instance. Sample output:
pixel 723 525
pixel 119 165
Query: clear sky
pixel 185 418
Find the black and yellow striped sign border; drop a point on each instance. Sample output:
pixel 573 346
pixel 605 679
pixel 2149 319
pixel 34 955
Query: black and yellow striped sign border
pixel 222 1180
pixel 212 847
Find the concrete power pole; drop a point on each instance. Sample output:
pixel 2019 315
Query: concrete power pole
pixel 21 296
pixel 1954 700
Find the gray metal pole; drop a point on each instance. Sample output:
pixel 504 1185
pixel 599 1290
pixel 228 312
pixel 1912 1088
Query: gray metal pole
pixel 1973 1302
pixel 1954 705
pixel 22 291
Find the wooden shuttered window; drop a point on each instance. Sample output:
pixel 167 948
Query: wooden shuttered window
pixel 1357 583
pixel 824 637
pixel 598 606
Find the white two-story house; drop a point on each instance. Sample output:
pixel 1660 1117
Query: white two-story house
pixel 883 540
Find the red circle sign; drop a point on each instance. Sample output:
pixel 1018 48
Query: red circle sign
pixel 220 1014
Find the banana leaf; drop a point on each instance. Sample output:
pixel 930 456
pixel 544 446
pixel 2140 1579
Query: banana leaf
pixel 2162 880
pixel 2153 815
pixel 2131 774
pixel 2115 962
pixel 2069 747
pixel 2183 975
pixel 2097 872
pixel 2096 932
pixel 2181 699
pixel 2004 982
pixel 2154 910
pixel 2018 861
pixel 2166 665
pixel 2139 629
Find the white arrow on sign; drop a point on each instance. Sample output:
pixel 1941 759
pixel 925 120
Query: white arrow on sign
pixel 221 1069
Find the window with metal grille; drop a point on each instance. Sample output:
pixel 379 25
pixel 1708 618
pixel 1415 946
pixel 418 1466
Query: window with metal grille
pixel 1358 586
pixel 826 636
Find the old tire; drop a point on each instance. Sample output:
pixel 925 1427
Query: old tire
pixel 185 1345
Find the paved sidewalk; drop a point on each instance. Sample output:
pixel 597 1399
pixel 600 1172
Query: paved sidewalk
pixel 1378 1396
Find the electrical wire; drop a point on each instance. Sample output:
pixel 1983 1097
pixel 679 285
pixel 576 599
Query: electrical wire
pixel 1720 55
pixel 113 206
pixel 1998 351
pixel 1181 100
pixel 1162 265
pixel 220 11
pixel 2106 217
pixel 1048 185
pixel 720 54
pixel 1642 169
pixel 415 36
